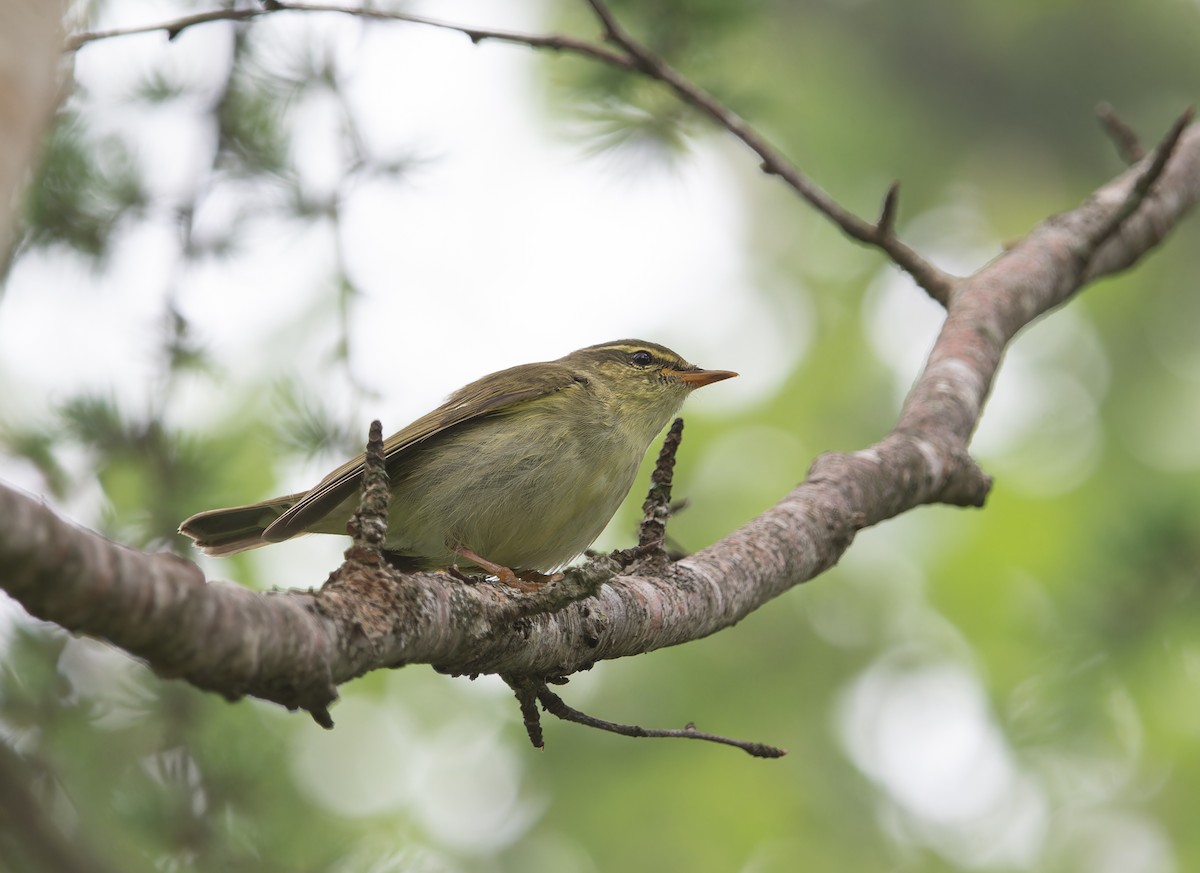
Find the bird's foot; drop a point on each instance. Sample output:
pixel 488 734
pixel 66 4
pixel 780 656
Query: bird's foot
pixel 522 580
pixel 531 580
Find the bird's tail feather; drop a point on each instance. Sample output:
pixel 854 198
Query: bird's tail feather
pixel 220 532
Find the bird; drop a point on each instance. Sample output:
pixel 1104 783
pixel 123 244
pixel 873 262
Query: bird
pixel 516 474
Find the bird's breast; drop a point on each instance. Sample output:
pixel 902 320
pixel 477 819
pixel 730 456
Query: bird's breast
pixel 525 498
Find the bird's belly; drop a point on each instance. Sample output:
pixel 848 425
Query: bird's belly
pixel 525 508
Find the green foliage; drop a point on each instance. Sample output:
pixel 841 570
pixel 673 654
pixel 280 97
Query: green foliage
pixel 86 188
pixel 251 141
pixel 308 427
pixel 160 88
pixel 640 131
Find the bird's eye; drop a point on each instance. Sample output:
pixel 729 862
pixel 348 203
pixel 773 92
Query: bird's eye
pixel 641 359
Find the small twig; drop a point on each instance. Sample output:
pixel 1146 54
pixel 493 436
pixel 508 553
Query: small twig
pixel 937 284
pixel 650 554
pixel 555 705
pixel 1139 191
pixel 657 507
pixel 1124 137
pixel 368 526
pixel 527 693
pixel 887 216
pixel 173 28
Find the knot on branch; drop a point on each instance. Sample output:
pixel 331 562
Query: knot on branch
pixel 966 484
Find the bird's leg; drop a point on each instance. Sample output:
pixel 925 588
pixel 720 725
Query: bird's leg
pixel 524 580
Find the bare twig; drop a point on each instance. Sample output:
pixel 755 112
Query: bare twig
pixel 171 28
pixel 657 506
pixel 887 215
pixel 556 706
pixel 1124 137
pixel 555 42
pixel 527 692
pixel 365 572
pixel 937 284
pixel 1140 189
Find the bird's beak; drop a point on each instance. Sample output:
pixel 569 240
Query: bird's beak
pixel 700 378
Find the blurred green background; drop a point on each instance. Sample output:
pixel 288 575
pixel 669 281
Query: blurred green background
pixel 1007 689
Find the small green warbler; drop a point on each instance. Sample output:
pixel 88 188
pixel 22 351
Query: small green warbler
pixel 516 473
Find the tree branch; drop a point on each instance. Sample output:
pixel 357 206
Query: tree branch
pixel 936 283
pixel 632 56
pixel 217 636
pixel 294 647
pixel 176 26
pixel 1146 180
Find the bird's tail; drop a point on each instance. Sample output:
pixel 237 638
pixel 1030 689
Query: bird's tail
pixel 220 532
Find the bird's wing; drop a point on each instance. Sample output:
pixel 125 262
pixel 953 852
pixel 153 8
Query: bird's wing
pixel 491 395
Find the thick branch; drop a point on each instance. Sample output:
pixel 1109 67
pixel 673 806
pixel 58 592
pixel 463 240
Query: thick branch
pixel 218 636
